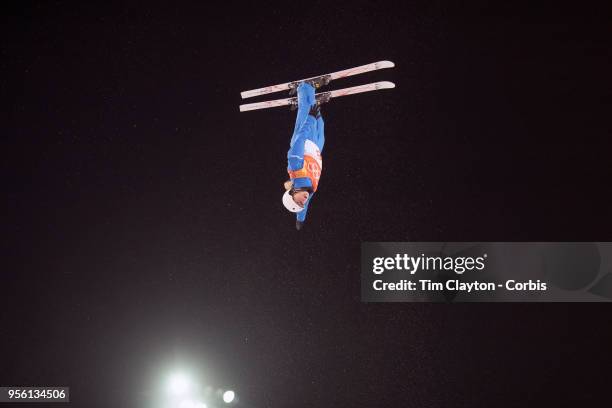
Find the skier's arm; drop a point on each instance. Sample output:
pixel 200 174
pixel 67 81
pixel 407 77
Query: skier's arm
pixel 301 216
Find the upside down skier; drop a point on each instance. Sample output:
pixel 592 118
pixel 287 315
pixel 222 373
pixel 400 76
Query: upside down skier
pixel 305 163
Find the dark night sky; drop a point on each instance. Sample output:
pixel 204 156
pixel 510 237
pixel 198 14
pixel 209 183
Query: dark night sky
pixel 144 222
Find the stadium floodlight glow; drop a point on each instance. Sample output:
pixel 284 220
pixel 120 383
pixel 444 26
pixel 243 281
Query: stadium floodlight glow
pixel 192 404
pixel 179 384
pixel 228 396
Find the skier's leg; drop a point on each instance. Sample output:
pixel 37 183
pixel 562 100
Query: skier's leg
pixel 306 98
pixel 320 132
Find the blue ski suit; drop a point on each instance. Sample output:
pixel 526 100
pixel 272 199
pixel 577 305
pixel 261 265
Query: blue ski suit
pixel 306 128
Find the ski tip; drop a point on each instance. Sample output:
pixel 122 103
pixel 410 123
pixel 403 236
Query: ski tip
pixel 385 85
pixel 251 93
pixel 384 64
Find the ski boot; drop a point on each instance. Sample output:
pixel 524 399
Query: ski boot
pixel 316 83
pixel 323 97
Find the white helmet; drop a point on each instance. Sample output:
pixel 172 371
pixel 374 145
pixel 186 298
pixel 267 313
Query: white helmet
pixel 290 204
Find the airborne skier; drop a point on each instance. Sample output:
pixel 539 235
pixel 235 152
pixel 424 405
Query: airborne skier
pixel 305 163
pixel 304 156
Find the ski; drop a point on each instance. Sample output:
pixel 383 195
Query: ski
pixel 321 97
pixel 323 78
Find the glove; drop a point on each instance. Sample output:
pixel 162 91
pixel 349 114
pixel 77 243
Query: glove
pixel 299 225
pixel 315 110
